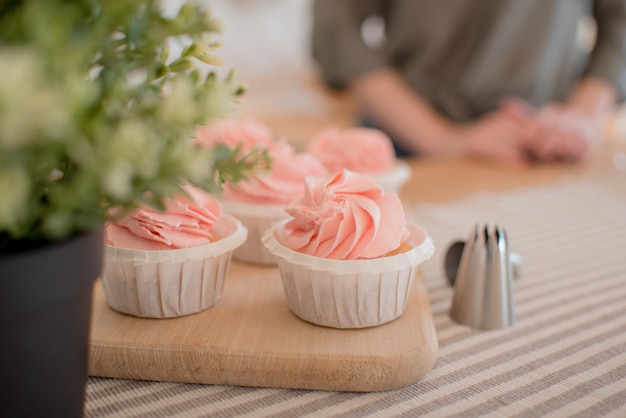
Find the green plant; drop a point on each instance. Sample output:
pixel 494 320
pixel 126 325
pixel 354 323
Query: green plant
pixel 96 114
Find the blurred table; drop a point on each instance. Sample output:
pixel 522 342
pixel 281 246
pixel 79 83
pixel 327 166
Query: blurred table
pixel 566 354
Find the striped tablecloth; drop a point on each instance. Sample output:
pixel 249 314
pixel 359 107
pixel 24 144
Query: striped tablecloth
pixel 565 356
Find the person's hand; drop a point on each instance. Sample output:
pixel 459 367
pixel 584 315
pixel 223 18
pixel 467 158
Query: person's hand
pixel 556 132
pixel 498 136
pixel 560 132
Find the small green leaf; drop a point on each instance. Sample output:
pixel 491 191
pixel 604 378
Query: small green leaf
pixel 210 59
pixel 161 70
pixel 240 90
pixel 164 53
pixel 181 65
pixel 190 50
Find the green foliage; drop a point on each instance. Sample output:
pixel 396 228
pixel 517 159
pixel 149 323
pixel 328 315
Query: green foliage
pixel 96 113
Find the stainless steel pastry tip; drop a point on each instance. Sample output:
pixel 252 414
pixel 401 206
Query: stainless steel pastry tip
pixel 452 261
pixel 483 290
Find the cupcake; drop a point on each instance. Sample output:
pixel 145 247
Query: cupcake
pixel 172 263
pixel 346 255
pixel 259 201
pixel 245 133
pixel 363 150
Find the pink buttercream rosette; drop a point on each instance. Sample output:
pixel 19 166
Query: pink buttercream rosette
pixel 332 253
pixel 172 263
pixel 363 150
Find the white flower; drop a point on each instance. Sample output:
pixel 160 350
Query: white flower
pixel 14 188
pixel 196 165
pixel 136 143
pixel 179 104
pixel 117 180
pixel 29 106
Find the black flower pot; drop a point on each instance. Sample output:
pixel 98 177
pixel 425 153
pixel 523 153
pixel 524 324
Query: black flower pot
pixel 45 310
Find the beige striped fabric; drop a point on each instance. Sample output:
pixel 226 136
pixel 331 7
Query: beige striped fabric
pixel 564 357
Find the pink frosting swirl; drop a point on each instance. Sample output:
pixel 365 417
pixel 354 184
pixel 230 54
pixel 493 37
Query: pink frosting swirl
pixel 347 217
pixel 248 133
pixel 282 183
pixel 363 150
pixel 186 222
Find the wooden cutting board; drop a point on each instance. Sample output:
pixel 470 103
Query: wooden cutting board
pixel 251 338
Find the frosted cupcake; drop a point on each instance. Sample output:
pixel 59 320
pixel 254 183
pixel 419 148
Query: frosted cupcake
pixel 172 263
pixel 363 150
pixel 259 201
pixel 346 255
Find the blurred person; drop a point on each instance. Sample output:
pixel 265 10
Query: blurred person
pixel 504 80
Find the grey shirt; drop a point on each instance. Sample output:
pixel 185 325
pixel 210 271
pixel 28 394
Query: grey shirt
pixel 464 56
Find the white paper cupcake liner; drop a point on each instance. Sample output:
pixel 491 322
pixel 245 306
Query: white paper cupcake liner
pixel 393 179
pixel 170 283
pixel 349 293
pixel 257 219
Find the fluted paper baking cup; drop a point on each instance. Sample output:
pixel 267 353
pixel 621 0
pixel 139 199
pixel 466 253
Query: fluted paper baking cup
pixel 349 293
pixel 257 219
pixel 170 283
pixel 394 178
